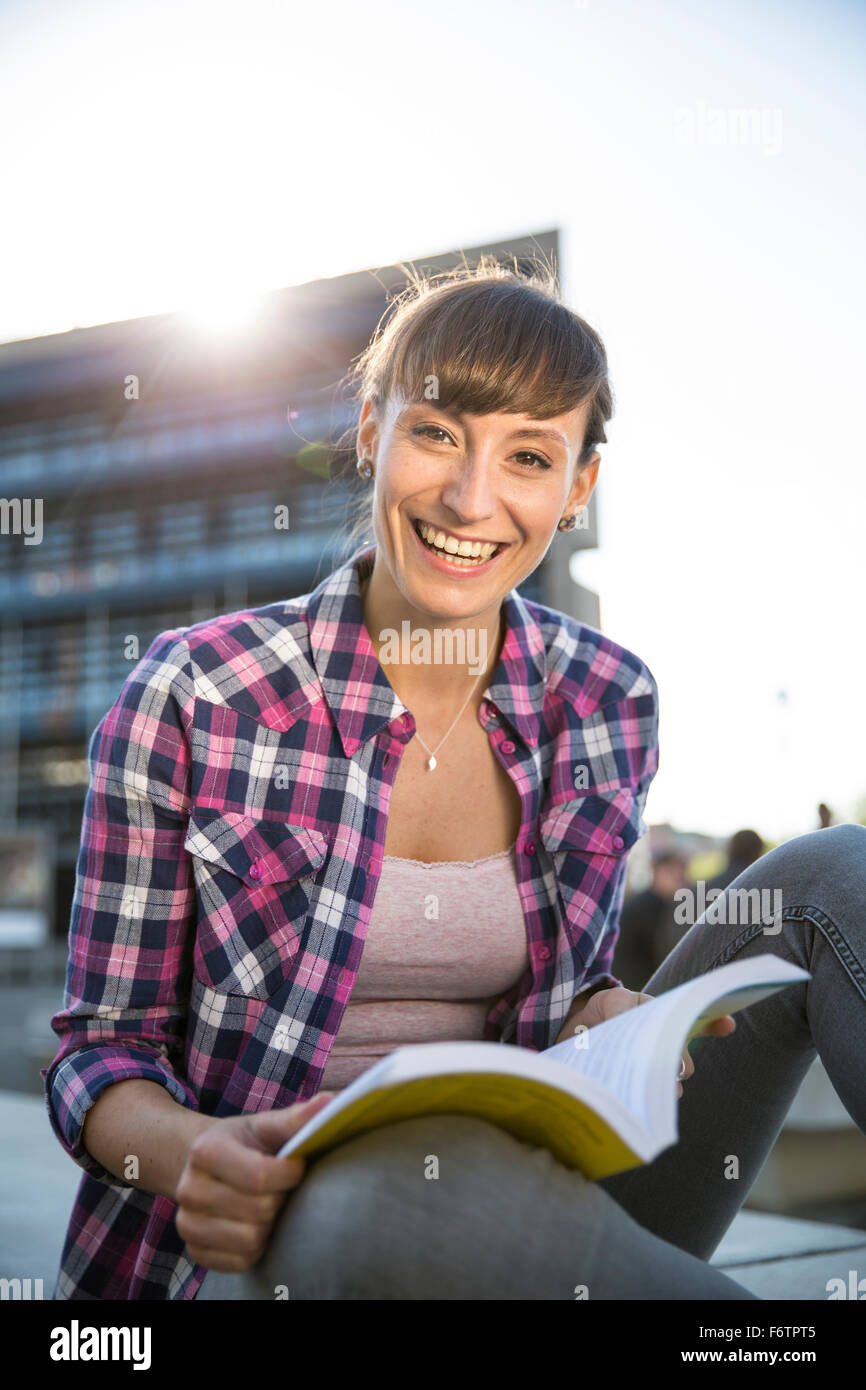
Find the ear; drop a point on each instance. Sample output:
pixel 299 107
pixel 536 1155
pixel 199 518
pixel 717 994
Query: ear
pixel 368 429
pixel 584 482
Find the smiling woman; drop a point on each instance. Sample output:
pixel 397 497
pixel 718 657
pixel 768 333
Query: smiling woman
pixel 470 369
pixel 281 879
pixel 481 342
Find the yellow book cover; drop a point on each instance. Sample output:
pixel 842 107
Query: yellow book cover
pixel 601 1102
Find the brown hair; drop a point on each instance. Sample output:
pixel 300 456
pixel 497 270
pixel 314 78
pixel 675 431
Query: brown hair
pixel 496 338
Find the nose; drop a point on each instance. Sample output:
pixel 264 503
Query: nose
pixel 469 493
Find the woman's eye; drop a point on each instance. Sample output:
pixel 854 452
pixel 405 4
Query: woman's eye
pixel 537 460
pixel 425 429
pixel 526 455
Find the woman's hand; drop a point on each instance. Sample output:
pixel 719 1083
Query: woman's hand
pixel 607 1003
pixel 232 1185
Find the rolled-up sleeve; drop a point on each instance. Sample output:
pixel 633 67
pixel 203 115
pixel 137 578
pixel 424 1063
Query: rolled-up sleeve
pixel 125 1001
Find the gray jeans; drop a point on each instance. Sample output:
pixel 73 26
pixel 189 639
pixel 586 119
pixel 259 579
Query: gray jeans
pixel 506 1220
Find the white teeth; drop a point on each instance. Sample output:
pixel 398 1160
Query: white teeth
pixel 458 552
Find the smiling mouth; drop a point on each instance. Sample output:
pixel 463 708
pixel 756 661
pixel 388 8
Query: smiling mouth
pixel 467 553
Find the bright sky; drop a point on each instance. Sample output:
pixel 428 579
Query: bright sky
pixel 159 151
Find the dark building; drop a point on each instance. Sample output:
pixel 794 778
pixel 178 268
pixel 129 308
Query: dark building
pixel 158 459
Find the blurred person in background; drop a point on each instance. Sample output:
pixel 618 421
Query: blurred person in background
pixel 744 848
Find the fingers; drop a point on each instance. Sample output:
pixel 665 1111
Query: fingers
pixel 241 1153
pixel 228 1240
pixel 719 1028
pixel 689 1070
pixel 607 1003
pixel 724 1026
pixel 220 1260
pixel 233 1185
pixel 201 1194
pixel 271 1128
pixel 230 1158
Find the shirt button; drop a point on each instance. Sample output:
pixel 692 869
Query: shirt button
pixel 507 746
pixel 530 847
pixel 544 953
pixel 386 759
pixel 255 869
pixel 618 842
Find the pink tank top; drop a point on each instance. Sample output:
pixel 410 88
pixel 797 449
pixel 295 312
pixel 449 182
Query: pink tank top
pixel 445 941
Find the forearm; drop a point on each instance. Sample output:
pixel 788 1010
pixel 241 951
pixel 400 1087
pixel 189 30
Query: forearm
pixel 139 1120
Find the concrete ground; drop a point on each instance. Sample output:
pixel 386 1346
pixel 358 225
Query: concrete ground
pixel 38 1183
pixel 780 1257
pixel 772 1256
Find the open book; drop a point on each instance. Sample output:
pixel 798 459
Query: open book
pixel 602 1101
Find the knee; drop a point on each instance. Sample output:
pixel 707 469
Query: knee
pixel 412 1149
pixel 812 868
pixel 845 852
pixel 364 1209
pixel 848 839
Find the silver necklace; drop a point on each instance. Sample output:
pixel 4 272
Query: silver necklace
pixel 431 761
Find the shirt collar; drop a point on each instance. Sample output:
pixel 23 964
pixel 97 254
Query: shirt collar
pixel 356 689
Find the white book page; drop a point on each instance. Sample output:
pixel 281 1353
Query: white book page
pixel 622 1053
pixel 637 1054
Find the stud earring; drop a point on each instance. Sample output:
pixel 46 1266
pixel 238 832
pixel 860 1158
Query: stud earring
pixel 567 523
pixel 364 467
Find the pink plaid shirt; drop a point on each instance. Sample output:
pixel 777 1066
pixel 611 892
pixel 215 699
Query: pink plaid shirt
pixel 231 844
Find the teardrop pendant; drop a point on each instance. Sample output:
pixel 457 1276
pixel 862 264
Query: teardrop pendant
pixel 431 763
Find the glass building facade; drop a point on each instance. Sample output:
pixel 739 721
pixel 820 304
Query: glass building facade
pixel 176 476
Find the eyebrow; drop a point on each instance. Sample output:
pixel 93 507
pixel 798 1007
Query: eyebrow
pixel 525 432
pixel 528 433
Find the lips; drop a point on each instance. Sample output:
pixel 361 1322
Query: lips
pixel 445 543
pixel 454 567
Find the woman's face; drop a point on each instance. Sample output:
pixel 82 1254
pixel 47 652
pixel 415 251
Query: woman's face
pixel 498 480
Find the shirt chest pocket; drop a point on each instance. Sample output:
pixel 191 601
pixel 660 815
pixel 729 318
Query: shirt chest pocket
pixel 589 838
pixel 252 880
